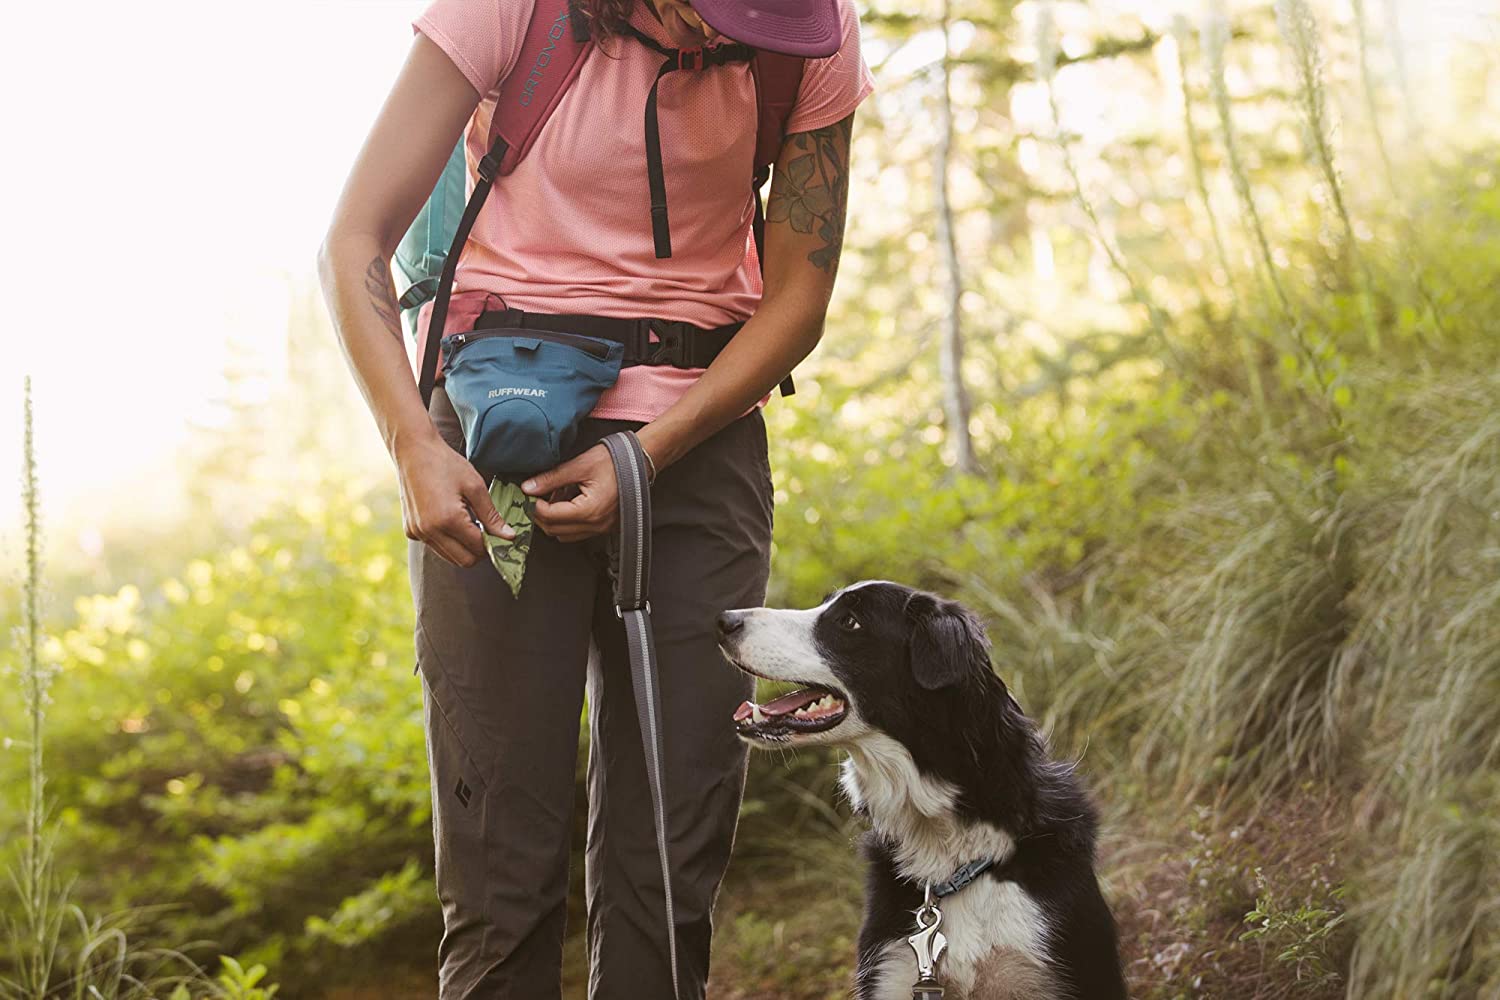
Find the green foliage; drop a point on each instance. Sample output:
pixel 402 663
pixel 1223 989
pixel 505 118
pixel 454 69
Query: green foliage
pixel 1246 586
pixel 240 983
pixel 243 735
pixel 1236 540
pixel 394 900
pixel 1302 935
pixel 55 949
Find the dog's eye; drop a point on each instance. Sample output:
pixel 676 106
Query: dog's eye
pixel 849 622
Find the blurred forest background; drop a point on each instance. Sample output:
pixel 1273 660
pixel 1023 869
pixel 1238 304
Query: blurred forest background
pixel 1166 338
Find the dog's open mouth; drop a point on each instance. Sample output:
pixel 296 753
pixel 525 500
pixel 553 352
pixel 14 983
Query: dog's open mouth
pixel 806 710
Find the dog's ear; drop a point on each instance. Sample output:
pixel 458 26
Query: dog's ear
pixel 947 641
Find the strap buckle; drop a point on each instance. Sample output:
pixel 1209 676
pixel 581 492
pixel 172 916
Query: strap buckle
pixel 670 344
pixel 690 58
pixel 620 611
pixel 418 292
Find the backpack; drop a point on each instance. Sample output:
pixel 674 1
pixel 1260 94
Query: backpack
pixel 552 53
pixel 420 255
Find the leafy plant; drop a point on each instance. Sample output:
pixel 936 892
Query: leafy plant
pixel 1304 935
pixel 57 950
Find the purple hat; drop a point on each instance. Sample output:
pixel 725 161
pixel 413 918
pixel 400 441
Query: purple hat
pixel 808 28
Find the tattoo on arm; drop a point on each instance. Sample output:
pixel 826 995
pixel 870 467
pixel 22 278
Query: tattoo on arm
pixel 382 296
pixel 812 192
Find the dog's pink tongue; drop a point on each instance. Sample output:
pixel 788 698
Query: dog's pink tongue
pixel 791 701
pixel 744 712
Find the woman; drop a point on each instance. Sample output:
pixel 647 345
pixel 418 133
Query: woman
pixel 504 677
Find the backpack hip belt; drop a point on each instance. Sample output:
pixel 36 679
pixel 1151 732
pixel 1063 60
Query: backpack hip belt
pixel 678 343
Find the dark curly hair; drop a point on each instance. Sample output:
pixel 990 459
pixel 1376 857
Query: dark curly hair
pixel 607 18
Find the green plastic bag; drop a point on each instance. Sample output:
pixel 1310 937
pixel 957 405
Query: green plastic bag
pixel 509 555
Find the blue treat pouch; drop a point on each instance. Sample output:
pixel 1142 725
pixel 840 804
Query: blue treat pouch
pixel 520 394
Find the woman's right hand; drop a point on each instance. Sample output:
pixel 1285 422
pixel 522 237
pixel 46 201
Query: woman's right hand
pixel 439 488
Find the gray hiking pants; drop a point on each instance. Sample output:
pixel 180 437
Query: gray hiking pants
pixel 503 683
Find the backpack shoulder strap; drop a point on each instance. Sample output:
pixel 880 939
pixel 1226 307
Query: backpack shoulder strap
pixel 777 79
pixel 557 38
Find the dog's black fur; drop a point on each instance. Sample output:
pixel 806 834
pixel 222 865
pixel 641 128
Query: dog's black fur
pixel 916 668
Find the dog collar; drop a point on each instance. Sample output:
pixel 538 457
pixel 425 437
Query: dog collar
pixel 928 942
pixel 965 874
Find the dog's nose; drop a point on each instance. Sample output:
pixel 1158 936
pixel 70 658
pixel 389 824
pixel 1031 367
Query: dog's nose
pixel 730 622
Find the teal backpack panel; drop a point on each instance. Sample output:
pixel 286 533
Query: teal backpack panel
pixel 424 248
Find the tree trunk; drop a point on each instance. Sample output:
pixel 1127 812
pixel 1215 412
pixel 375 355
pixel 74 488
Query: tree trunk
pixel 955 395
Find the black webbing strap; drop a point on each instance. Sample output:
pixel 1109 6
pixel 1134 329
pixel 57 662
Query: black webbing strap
pixel 661 231
pixel 489 167
pixel 678 343
pixel 758 223
pixel 631 566
pixel 661 234
pixel 675 59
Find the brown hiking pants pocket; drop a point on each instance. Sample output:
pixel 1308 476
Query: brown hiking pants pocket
pixel 503 683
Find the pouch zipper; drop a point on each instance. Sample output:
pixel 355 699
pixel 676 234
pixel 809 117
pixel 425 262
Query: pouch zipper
pixel 588 345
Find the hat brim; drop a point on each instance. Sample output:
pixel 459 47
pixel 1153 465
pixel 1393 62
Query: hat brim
pixel 814 31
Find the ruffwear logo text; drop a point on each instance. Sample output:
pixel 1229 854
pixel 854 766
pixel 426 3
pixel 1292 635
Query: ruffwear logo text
pixel 510 390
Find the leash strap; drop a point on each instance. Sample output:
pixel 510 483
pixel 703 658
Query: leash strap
pixel 632 580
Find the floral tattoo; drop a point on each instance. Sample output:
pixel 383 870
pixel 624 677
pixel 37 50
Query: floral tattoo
pixel 378 286
pixel 812 193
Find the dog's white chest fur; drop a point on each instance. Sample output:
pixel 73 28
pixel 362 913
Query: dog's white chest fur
pixel 996 932
pixel 995 949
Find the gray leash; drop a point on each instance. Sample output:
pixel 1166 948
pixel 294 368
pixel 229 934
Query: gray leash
pixel 632 579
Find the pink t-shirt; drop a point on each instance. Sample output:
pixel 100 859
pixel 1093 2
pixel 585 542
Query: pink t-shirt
pixel 569 230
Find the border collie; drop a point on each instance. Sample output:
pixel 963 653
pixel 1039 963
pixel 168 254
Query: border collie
pixel 948 771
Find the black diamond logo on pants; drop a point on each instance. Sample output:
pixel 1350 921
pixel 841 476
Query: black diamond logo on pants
pixel 462 791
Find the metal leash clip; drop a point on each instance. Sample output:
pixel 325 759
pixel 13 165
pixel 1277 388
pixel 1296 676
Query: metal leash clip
pixel 928 943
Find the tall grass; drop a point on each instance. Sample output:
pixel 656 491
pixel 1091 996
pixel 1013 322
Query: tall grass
pixel 56 950
pixel 1317 613
pixel 1268 638
pixel 1299 29
pixel 1248 346
pixel 1214 37
pixel 1430 642
pixel 1046 69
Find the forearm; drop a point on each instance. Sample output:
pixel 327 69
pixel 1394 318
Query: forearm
pixel 361 297
pixel 779 334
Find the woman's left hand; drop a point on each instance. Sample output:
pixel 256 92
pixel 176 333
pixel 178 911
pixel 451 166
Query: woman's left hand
pixel 593 511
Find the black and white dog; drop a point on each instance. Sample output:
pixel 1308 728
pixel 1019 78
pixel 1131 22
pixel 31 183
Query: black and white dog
pixel 950 774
